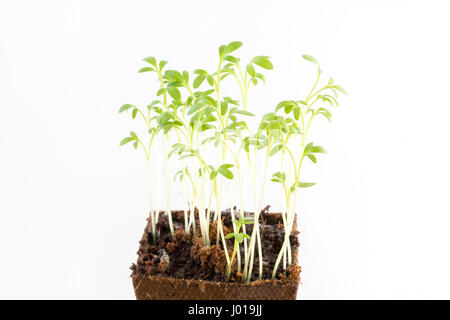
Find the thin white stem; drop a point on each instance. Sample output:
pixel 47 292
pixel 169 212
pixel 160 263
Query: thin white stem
pixel 220 229
pixel 186 205
pixel 230 194
pixel 167 185
pixel 152 214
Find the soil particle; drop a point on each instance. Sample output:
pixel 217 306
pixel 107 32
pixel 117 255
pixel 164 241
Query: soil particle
pixel 211 258
pixel 164 261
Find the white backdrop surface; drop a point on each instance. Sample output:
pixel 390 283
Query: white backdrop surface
pixel 73 204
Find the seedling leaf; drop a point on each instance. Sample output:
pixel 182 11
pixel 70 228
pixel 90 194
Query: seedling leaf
pixel 151 60
pixel 126 107
pixel 232 46
pixel 311 59
pixel 174 93
pixel 146 69
pixel 263 62
pixel 126 140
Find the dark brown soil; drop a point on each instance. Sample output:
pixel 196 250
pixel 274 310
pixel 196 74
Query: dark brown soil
pixel 185 257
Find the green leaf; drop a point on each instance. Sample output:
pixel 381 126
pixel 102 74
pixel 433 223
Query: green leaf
pixel 186 156
pixel 325 98
pixel 223 170
pixel 174 93
pixel 207 140
pixel 263 126
pixel 336 103
pixel 146 69
pixel 126 107
pixel 165 117
pixel 210 80
pixel 223 108
pixel 234 125
pixel 308 146
pixel 310 59
pixel 126 140
pixel 222 50
pixel 275 125
pixel 200 71
pixel 263 62
pixel 134 113
pixel 239 237
pixel 224 75
pixel 155 102
pixel 318 149
pixel 269 117
pixel 285 104
pixel 305 184
pixel 246 235
pixel 151 60
pixel 135 144
pixel 231 59
pixel 213 174
pixel 276 149
pixel 199 80
pixel 311 148
pixel 325 113
pixel 157 110
pixel 244 113
pixel 160 91
pixel 251 70
pixel 227 165
pixel 231 101
pixel 133 134
pixel 312 157
pixel 246 220
pixel 279 177
pixel 297 113
pixel 288 108
pixel 229 236
pixel 205 127
pixel 186 76
pixel 181 173
pixel 261 77
pixel 339 88
pixel 232 46
pixel 162 63
pixel 173 75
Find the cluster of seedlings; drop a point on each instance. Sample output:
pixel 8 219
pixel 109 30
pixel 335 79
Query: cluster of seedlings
pixel 216 147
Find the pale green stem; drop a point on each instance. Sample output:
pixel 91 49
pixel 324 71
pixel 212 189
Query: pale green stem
pixel 236 248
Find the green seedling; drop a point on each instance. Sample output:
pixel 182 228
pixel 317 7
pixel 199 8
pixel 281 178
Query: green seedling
pixel 296 122
pixel 238 238
pixel 207 140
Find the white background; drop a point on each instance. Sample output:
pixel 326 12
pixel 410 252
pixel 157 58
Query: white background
pixel 73 204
